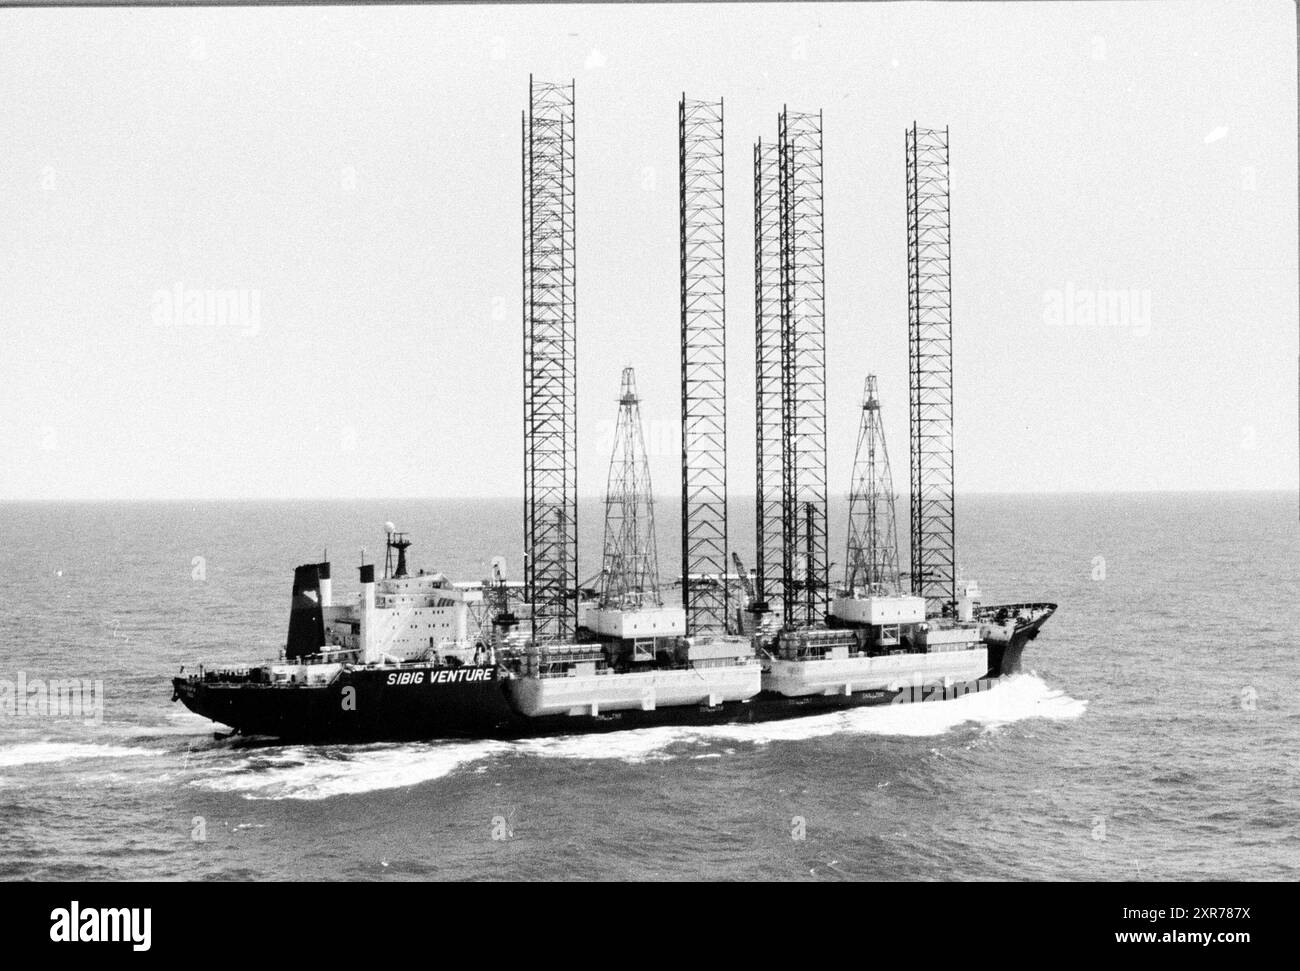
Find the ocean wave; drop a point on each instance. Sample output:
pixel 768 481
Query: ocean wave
pixel 631 746
pixel 34 753
pixel 186 727
pixel 304 773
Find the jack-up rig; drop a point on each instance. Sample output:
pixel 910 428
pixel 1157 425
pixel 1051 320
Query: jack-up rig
pixel 419 656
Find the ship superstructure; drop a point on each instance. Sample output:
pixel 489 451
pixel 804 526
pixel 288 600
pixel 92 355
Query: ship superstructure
pixel 402 616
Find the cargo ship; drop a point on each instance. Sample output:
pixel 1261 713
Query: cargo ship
pixel 417 656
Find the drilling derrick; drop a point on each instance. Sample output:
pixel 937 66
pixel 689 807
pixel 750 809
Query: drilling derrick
pixel 871 559
pixel 630 573
pixel 929 306
pixel 704 361
pixel 768 562
pixel 550 353
pixel 803 371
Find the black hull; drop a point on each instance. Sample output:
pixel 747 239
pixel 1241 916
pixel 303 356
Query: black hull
pixel 477 710
pixel 359 706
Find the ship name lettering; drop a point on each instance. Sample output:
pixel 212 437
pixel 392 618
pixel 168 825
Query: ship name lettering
pixel 444 676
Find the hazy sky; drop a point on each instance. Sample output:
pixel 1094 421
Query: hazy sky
pixel 352 176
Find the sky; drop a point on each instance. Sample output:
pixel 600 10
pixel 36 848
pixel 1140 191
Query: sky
pixel 276 252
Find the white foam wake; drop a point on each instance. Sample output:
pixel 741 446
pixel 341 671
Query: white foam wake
pixel 298 772
pixel 1018 698
pixel 304 773
pixel 34 753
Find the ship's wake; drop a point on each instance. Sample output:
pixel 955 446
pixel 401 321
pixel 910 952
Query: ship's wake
pixel 306 772
pixel 1021 697
pixel 49 752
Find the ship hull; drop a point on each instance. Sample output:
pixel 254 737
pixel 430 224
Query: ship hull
pixel 360 705
pixel 1005 657
pixel 378 711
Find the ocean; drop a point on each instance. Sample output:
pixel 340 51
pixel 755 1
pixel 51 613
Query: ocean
pixel 1152 736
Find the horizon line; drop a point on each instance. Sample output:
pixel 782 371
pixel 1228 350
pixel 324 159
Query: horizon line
pixel 598 497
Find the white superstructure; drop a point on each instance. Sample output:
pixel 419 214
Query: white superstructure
pixel 879 610
pixel 403 619
pixel 649 621
pixel 400 617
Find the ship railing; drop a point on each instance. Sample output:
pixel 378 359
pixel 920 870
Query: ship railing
pixel 738 661
pixel 822 652
pixel 565 672
pixel 565 668
pixel 333 657
pixel 562 667
pixel 815 644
